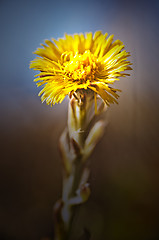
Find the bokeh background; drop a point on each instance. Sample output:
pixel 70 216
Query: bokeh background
pixel 124 203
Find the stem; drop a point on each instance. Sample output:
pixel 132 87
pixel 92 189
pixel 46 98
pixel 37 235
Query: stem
pixel 75 148
pixel 70 185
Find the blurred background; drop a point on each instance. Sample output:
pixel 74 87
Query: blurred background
pixel 124 203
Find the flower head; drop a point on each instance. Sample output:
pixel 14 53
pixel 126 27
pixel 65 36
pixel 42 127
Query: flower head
pixel 80 62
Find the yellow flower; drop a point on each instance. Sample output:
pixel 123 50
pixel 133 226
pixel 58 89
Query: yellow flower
pixel 80 62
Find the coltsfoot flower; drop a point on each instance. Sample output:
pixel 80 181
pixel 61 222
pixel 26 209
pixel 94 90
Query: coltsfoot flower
pixel 80 62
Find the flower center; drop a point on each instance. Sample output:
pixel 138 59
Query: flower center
pixel 80 66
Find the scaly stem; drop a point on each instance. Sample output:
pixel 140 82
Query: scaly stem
pixel 70 186
pixel 75 147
